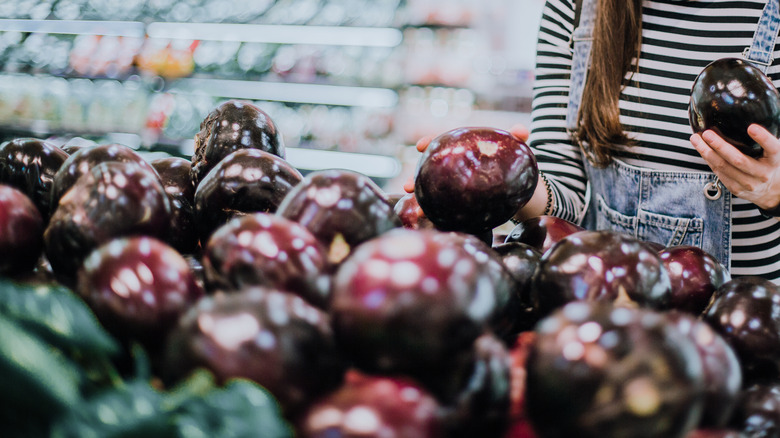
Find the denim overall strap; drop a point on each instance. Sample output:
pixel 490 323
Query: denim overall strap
pixel 761 50
pixel 582 40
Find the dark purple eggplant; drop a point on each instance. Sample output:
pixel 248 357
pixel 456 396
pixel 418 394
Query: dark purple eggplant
pixel 267 250
pixel 474 179
pixel 85 159
pixel 114 199
pixel 729 95
pixel 246 181
pixel 21 232
pixel 231 126
pixel 598 370
pixel 30 165
pixel 342 208
pixel 174 174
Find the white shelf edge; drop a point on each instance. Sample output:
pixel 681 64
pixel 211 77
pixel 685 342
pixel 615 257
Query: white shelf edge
pixel 75 27
pixel 290 92
pixel 253 33
pixel 279 34
pixel 370 165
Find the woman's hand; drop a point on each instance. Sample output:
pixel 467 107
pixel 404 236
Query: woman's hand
pixel 519 131
pixel 755 180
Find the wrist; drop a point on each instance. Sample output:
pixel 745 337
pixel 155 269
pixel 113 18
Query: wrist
pixel 541 203
pixel 771 212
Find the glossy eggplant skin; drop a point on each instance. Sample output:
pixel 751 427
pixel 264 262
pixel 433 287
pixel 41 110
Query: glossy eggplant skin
pixel 113 199
pixel 481 406
pixel 721 370
pixel 174 174
pixel 474 179
pixel 21 231
pixel 267 250
pixel 597 370
pixel 746 312
pixel 85 159
pixel 408 210
pixel 729 95
pixel 542 232
pixel 758 411
pixel 400 407
pixel 246 181
pixel 521 261
pixel 269 336
pixel 342 208
pixel 413 302
pixel 695 275
pixel 601 265
pixel 231 126
pixel 29 165
pixel 138 287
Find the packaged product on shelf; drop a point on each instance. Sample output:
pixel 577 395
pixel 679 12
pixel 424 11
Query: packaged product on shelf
pixel 53 98
pixel 255 59
pixel 168 58
pixel 217 57
pixel 74 113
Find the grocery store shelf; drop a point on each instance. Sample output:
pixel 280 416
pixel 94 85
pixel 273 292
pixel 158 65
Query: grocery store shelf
pixel 250 33
pixel 75 27
pixel 279 34
pixel 305 159
pixel 289 92
pixel 374 166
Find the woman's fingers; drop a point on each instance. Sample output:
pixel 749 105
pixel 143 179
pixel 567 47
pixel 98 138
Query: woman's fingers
pixel 422 144
pixel 520 132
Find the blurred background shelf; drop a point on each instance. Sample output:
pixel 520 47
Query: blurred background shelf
pixel 358 77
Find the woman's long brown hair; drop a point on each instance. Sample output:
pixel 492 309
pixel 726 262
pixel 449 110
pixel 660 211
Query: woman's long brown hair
pixel 616 42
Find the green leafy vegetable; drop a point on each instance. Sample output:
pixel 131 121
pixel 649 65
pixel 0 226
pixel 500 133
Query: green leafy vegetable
pixel 35 375
pixel 56 314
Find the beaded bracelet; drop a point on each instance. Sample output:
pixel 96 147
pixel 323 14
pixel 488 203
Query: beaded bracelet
pixel 548 207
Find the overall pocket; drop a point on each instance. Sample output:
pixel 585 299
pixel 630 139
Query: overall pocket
pixel 653 227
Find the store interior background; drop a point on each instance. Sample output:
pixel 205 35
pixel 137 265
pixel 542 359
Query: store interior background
pixel 350 83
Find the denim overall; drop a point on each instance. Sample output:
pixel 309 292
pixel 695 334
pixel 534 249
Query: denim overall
pixel 667 207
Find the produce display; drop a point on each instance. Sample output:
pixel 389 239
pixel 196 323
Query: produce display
pixel 231 295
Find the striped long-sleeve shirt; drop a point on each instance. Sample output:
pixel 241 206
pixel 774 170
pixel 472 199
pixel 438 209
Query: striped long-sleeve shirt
pixel 679 38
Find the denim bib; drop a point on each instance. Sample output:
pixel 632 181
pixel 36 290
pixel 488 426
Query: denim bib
pixel 666 207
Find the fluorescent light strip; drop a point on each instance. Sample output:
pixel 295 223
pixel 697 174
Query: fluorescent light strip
pixel 75 27
pixel 290 92
pixel 375 166
pixel 280 34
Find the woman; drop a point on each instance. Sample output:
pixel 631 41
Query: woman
pixel 642 170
